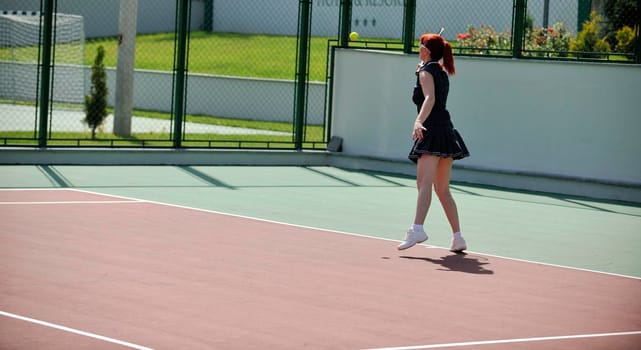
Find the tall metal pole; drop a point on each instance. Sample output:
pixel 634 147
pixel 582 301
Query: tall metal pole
pixel 518 27
pixel 45 77
pixel 304 25
pixel 409 22
pixel 637 49
pixel 208 21
pixel 180 71
pixel 584 9
pixel 345 24
pixel 546 13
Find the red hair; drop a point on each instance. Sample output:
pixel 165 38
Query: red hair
pixel 439 49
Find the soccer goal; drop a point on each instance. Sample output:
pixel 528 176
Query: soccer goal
pixel 20 37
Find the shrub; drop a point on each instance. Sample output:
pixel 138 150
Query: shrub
pixel 588 43
pixel 625 40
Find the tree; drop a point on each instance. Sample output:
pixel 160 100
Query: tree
pixel 622 13
pixel 96 101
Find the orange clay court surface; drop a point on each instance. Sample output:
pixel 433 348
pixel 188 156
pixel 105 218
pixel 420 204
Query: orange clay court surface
pixel 82 270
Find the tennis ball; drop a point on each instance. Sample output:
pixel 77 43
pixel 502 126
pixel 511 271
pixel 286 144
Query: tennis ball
pixel 353 36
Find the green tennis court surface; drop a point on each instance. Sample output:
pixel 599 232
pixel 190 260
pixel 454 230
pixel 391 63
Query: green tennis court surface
pixel 547 228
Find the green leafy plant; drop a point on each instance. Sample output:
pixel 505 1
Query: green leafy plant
pixel 588 43
pixel 625 40
pixel 619 14
pixel 96 101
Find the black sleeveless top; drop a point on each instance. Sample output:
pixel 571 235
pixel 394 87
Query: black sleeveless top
pixel 439 114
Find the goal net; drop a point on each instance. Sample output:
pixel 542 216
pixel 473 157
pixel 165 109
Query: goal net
pixel 20 37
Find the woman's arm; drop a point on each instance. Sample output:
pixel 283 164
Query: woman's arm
pixel 427 84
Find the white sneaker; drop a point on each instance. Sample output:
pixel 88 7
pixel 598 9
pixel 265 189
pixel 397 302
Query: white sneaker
pixel 458 245
pixel 412 239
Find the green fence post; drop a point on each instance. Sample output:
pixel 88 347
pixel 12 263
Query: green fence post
pixel 300 107
pixel 637 47
pixel 583 13
pixel 518 27
pixel 45 78
pixel 179 71
pixel 409 21
pixel 345 23
pixel 208 21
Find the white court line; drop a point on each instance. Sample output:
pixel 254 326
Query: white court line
pixel 37 189
pixel 506 341
pixel 70 202
pixel 75 331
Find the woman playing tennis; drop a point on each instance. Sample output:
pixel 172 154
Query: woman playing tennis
pixel 436 143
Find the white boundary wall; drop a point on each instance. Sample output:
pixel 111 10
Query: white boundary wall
pixel 222 96
pixel 556 119
pixel 101 17
pixel 206 94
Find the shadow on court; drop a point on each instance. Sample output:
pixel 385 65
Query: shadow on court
pixel 460 262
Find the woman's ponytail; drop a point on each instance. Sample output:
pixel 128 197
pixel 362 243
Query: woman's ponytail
pixel 448 58
pixel 439 49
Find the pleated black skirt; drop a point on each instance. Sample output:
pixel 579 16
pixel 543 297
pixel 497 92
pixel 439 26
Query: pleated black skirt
pixel 440 140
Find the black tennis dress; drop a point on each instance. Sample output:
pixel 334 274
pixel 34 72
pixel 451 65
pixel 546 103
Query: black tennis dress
pixel 440 138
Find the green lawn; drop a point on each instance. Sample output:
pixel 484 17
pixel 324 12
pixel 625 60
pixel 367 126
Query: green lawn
pixel 247 55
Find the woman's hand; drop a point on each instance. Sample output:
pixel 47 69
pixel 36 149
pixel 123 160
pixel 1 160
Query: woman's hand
pixel 417 133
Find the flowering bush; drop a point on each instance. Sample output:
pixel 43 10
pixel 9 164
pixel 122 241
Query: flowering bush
pixel 485 40
pixel 553 41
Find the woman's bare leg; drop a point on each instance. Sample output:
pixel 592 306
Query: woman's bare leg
pixel 442 189
pixel 425 174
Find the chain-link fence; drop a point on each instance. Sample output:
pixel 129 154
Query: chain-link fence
pixel 118 99
pixel 242 78
pixel 249 74
pixel 238 71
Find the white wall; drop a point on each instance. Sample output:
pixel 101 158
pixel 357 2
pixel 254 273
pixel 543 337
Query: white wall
pixel 224 96
pixel 101 17
pixel 371 18
pixel 579 120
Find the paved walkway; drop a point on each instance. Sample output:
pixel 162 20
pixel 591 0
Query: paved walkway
pixel 21 118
